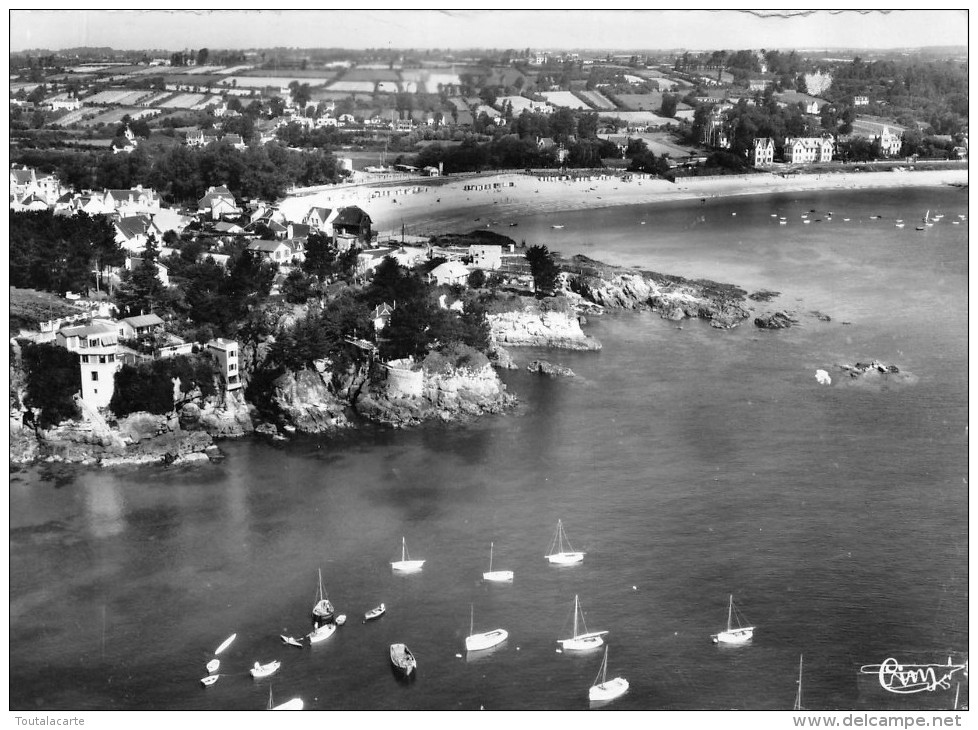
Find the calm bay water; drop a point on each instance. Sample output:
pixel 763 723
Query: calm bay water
pixel 689 463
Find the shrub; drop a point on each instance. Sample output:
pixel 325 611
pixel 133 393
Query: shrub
pixel 148 386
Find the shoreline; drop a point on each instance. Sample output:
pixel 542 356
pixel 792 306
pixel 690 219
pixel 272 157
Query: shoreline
pixel 510 195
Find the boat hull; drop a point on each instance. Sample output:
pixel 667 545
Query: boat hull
pixel 265 670
pixel 566 558
pixel 213 665
pixel 322 633
pixel 609 690
pixel 403 660
pixel 487 640
pixel 498 576
pixel 225 644
pixel 583 643
pixel 208 681
pixel 407 566
pixel 293 704
pixel 734 636
pixel 323 610
pixel 375 613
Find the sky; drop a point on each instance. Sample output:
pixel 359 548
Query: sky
pixel 537 29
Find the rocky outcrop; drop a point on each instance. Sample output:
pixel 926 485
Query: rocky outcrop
pixel 869 368
pixel 673 297
pixel 304 400
pixel 501 358
pixel 228 416
pixel 548 368
pixel 775 321
pixel 532 326
pixel 444 389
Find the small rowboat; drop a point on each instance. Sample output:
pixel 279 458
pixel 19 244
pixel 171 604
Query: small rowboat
pixel 375 613
pixel 226 644
pixel 291 641
pixel 341 619
pixel 208 681
pixel 403 660
pixel 263 670
pixel 213 665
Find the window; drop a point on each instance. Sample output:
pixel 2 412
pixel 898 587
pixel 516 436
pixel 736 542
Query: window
pixel 231 367
pixel 101 359
pixel 84 358
pixel 94 375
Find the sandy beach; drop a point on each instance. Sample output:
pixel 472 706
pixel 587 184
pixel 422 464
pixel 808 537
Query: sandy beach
pixel 500 197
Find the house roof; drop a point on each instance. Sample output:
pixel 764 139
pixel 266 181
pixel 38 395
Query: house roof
pixel 382 310
pixel 450 269
pixel 21 177
pixel 352 216
pixel 143 320
pixel 224 227
pixel 267 246
pixel 132 226
pixel 86 329
pixel 300 230
pixel 323 213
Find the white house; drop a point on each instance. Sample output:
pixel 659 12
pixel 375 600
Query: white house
pixel 226 354
pixel 381 315
pixel 890 144
pixel 799 150
pixel 279 252
pixel 450 272
pixel 486 256
pixel 763 152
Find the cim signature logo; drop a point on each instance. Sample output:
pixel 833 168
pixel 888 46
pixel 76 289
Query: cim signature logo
pixel 906 679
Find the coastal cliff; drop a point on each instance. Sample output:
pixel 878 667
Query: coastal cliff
pixel 529 322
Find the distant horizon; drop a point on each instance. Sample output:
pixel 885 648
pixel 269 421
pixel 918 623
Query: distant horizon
pixel 619 31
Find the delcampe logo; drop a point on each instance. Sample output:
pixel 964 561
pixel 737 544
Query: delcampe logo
pixel 908 679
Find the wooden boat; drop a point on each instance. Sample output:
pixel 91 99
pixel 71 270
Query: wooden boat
pixel 294 704
pixel 321 633
pixel 583 641
pixel 738 634
pixel 558 554
pixel 323 609
pixel 798 695
pixel 497 576
pixel 604 689
pixel 213 665
pixel 557 227
pixel 208 681
pixel 292 641
pixel 485 640
pixel 405 564
pixel 263 670
pixel 225 644
pixel 375 613
pixel 341 619
pixel 403 659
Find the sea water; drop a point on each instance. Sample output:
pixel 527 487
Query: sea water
pixel 689 463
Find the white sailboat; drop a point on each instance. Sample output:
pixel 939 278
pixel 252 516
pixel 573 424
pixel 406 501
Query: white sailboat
pixel 738 634
pixel 606 689
pixel 225 644
pixel 497 576
pixel 323 609
pixel 485 640
pixel 798 706
pixel 263 670
pixel 585 640
pixel 405 564
pixel 558 554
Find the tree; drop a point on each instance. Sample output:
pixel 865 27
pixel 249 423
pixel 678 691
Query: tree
pixel 668 108
pixel 320 256
pixel 53 378
pixel 543 268
pixel 297 287
pixel 202 55
pixel 477 279
pixel 142 291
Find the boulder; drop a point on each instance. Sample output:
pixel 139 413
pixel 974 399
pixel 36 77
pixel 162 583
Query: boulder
pixel 548 368
pixel 775 321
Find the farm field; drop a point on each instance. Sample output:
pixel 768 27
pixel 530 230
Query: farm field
pixel 640 102
pixel 596 99
pixel 564 99
pixel 279 82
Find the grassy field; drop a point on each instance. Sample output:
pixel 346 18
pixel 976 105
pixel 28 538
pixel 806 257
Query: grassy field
pixel 29 307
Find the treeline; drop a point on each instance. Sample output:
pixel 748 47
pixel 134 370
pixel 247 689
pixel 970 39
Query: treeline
pixel 149 386
pixel 182 174
pixel 911 90
pixel 59 253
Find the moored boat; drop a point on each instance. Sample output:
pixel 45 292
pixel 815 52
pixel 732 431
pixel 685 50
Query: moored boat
pixel 484 640
pixel 405 564
pixel 403 659
pixel 263 670
pixel 738 634
pixel 585 640
pixel 606 689
pixel 496 576
pixel 323 609
pixel 209 680
pixel 560 554
pixel 375 613
pixel 292 641
pixel 225 644
pixel 213 665
pixel 321 632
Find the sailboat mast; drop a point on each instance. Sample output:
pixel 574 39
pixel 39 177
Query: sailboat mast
pixel 471 619
pixel 403 548
pixel 490 557
pixel 576 605
pixel 730 614
pixel 604 666
pixel 801 661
